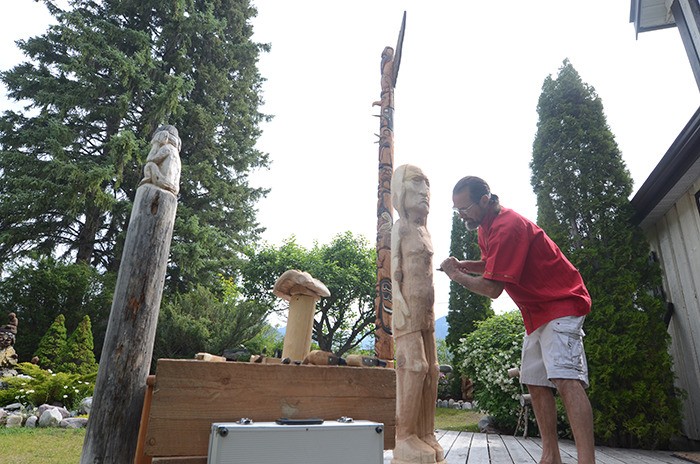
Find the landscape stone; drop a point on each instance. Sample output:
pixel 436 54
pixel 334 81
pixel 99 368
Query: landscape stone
pixel 85 405
pixel 31 421
pixel 73 423
pixel 50 418
pixel 14 420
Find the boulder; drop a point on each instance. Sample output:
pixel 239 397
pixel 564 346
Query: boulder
pixel 14 420
pixel 50 418
pixel 73 423
pixel 85 405
pixel 31 422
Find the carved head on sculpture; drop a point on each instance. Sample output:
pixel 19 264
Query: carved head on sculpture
pixel 410 192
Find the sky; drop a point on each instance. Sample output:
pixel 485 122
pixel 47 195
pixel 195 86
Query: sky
pixel 465 101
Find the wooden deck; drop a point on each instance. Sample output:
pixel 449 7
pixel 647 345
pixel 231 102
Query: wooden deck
pixel 481 448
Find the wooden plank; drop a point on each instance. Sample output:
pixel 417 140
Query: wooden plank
pixel 388 456
pixel 459 451
pixel 446 439
pixel 602 457
pixel 641 456
pixel 533 446
pixel 498 453
pixel 181 460
pixel 686 242
pixel 567 448
pixel 190 395
pixel 517 452
pixel 479 450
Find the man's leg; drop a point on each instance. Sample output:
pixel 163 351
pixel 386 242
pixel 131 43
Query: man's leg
pixel 546 414
pixel 580 414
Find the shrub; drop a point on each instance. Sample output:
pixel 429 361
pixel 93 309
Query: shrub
pixel 43 386
pixel 77 356
pixel 52 344
pixel 488 353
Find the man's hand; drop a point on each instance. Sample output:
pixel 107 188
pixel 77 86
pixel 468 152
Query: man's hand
pixel 461 272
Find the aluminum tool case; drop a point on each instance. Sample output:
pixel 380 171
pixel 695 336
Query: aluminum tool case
pixel 356 442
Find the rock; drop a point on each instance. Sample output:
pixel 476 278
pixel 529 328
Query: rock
pixel 14 420
pixel 50 418
pixel 44 407
pixel 31 421
pixel 486 425
pixel 13 407
pixel 85 405
pixel 73 423
pixel 8 356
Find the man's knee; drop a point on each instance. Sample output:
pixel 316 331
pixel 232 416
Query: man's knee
pixel 565 386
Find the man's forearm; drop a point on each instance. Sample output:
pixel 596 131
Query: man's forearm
pixel 473 267
pixel 478 284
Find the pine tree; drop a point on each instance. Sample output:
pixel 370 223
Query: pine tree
pixel 465 308
pixel 582 188
pixel 52 344
pixel 97 84
pixel 77 356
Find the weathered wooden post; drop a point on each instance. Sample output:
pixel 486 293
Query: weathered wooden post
pixel 383 341
pixel 113 427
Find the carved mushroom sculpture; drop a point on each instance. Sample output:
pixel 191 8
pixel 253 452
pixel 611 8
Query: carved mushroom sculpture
pixel 302 291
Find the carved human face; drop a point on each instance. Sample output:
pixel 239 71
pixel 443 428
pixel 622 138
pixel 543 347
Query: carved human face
pixel 416 196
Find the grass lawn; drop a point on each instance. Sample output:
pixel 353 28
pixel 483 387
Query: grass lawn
pixel 41 446
pixel 63 446
pixel 461 420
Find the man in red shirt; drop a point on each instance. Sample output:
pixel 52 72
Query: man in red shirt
pixel 518 257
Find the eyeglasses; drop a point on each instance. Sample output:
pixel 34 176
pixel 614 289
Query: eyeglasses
pixel 462 210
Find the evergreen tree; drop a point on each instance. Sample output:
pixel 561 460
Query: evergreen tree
pixel 465 308
pixel 206 321
pixel 582 188
pixel 77 356
pixel 96 86
pixel 52 344
pixel 39 291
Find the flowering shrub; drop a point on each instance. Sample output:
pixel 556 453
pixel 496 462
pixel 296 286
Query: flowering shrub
pixel 488 353
pixel 38 386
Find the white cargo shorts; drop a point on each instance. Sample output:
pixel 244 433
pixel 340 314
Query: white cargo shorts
pixel 555 351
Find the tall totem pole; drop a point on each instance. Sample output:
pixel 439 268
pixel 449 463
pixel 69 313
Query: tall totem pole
pixel 384 344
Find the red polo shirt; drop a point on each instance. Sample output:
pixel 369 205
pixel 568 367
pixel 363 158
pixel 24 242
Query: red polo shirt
pixel 536 274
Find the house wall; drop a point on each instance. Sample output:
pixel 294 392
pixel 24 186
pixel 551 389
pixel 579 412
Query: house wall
pixel 676 240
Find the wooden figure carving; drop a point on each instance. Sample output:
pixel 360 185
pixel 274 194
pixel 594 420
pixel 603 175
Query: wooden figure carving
pixel 163 162
pixel 413 320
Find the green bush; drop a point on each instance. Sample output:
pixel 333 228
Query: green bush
pixel 77 356
pixel 52 344
pixel 44 386
pixel 488 353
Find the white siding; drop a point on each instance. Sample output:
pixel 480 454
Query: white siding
pixel 676 240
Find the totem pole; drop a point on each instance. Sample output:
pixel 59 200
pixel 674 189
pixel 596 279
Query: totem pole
pixel 383 344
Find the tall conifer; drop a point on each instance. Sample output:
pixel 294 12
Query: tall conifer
pixel 94 87
pixel 465 308
pixel 52 344
pixel 582 188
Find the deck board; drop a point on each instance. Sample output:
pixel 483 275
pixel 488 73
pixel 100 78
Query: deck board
pixel 481 448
